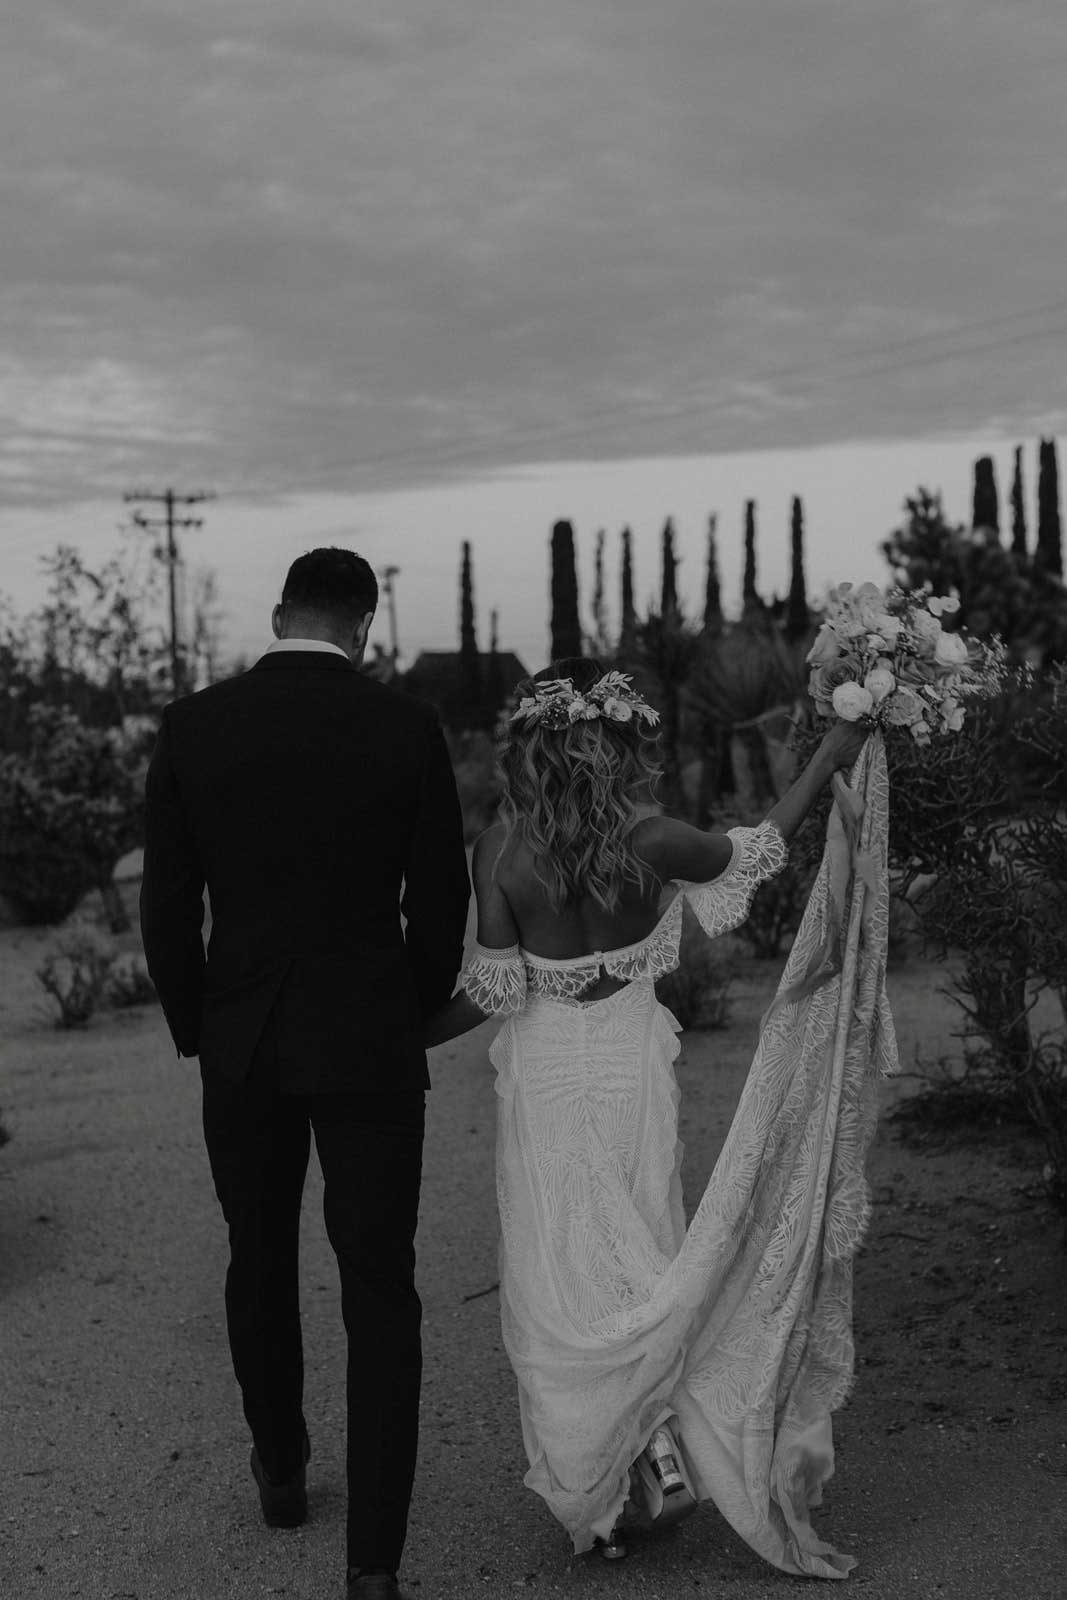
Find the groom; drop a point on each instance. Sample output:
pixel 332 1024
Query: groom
pixel 317 806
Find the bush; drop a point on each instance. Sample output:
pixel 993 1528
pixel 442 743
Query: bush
pixel 70 806
pixel 991 882
pixel 128 983
pixel 698 990
pixel 42 883
pixel 75 972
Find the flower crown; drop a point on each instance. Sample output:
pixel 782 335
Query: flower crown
pixel 558 704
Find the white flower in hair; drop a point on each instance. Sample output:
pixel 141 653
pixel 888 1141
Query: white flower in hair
pixel 556 703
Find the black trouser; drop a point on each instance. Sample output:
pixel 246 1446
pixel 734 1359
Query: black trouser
pixel 370 1149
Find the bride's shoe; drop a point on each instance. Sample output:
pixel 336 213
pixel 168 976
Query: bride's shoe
pixel 668 1493
pixel 612 1548
pixel 660 1493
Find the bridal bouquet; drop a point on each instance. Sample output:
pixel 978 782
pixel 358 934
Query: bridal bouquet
pixel 887 659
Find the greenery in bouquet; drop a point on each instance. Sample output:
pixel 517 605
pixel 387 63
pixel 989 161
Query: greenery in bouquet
pixel 889 660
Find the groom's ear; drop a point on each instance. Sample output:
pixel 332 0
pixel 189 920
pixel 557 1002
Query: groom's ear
pixel 361 633
pixel 276 621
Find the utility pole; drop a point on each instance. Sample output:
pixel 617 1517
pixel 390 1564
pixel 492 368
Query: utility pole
pixel 387 575
pixel 169 524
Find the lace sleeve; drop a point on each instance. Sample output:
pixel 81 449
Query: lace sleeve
pixel 758 854
pixel 495 979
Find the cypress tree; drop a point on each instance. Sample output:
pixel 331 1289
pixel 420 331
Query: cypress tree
pixel 628 613
pixel 470 667
pixel 713 617
pixel 566 624
pixel 1018 507
pixel 494 681
pixel 750 600
pixel 796 617
pixel 1048 553
pixel 986 501
pixel 600 635
pixel 668 604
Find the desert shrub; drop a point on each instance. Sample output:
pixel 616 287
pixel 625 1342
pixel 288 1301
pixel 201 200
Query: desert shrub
pixel 743 684
pixel 42 885
pixel 698 990
pixel 990 874
pixel 779 904
pixel 75 972
pixel 70 806
pixel 128 983
pixel 777 910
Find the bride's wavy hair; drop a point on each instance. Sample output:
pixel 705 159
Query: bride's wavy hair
pixel 570 794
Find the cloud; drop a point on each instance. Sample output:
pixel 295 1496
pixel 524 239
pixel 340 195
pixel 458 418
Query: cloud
pixel 312 248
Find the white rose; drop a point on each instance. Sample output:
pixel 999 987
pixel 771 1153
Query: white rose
pixel 618 710
pixel 826 647
pixel 950 650
pixel 576 709
pixel 943 605
pixel 889 627
pixel 879 683
pixel 904 709
pixel 927 631
pixel 870 603
pixel 852 701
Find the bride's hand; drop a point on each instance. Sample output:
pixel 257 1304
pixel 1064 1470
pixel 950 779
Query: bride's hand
pixel 841 746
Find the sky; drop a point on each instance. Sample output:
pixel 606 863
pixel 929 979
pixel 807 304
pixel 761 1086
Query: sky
pixel 399 274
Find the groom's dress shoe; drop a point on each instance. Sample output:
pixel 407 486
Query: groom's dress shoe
pixel 374 1586
pixel 285 1505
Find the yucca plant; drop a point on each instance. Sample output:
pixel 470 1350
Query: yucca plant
pixel 742 682
pixel 666 652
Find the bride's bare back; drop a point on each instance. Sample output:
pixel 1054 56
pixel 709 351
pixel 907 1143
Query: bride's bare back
pixel 514 907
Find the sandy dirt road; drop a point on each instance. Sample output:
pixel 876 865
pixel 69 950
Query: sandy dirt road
pixel 123 1454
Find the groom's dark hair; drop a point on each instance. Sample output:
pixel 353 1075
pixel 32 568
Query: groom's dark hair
pixel 331 583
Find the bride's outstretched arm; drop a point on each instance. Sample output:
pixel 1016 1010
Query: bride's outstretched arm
pixel 676 850
pixel 839 748
pixel 495 971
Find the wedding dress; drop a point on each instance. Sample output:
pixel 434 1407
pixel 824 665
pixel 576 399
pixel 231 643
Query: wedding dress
pixel 616 1317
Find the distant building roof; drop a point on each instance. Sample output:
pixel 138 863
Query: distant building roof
pixel 434 675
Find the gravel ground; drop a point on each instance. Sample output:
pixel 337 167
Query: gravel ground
pixel 124 1454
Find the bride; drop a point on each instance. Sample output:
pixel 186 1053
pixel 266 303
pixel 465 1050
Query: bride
pixel 659 1365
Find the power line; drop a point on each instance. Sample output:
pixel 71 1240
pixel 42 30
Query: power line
pixel 606 418
pixel 924 339
pixel 169 524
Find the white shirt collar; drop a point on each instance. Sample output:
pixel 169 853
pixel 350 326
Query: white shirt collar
pixel 304 644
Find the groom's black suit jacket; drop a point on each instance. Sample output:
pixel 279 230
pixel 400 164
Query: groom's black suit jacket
pixel 317 805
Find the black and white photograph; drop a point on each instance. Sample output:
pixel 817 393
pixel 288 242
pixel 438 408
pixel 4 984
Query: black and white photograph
pixel 533 799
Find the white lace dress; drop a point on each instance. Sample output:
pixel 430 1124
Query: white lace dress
pixel 615 1315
